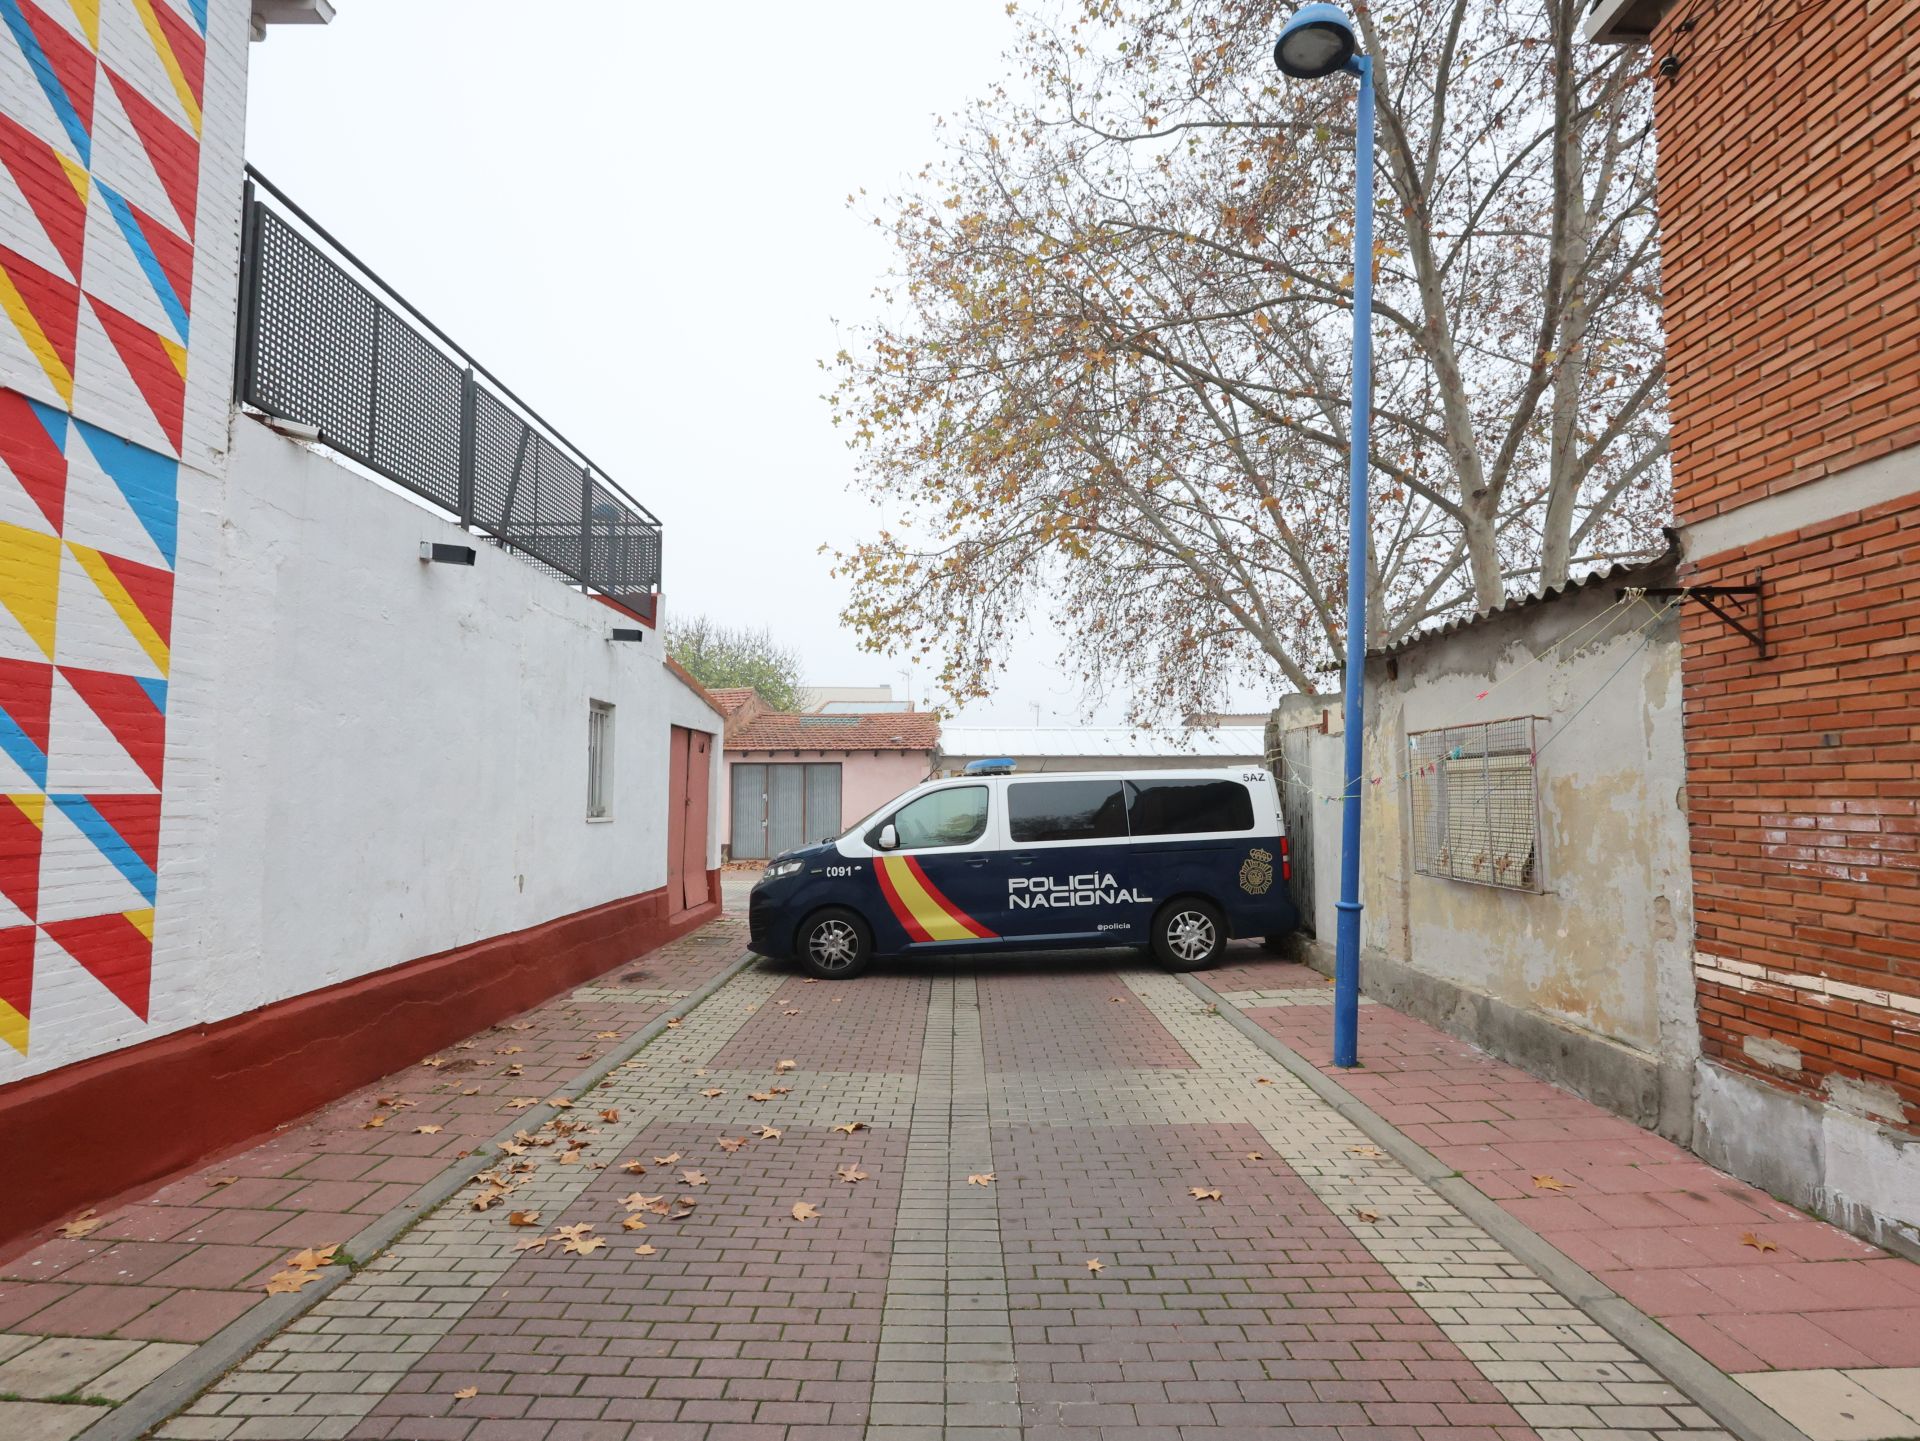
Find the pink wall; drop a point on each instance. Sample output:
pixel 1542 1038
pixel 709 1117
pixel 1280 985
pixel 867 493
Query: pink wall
pixel 866 778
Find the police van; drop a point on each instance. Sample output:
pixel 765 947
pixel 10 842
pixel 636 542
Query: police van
pixel 1175 861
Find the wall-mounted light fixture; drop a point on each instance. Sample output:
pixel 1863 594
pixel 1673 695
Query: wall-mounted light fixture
pixel 447 554
pixel 621 633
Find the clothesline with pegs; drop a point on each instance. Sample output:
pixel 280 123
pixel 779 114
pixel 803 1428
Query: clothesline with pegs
pixel 1634 597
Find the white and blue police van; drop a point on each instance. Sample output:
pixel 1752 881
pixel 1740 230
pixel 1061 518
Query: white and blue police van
pixel 1178 862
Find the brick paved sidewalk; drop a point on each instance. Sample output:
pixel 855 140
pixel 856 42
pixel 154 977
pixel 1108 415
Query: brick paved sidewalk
pixel 101 1315
pixel 1053 1197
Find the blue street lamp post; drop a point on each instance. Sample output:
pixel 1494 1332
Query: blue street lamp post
pixel 1318 41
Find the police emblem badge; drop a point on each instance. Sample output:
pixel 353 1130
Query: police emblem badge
pixel 1256 872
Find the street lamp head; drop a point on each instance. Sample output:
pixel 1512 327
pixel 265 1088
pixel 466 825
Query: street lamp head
pixel 1317 41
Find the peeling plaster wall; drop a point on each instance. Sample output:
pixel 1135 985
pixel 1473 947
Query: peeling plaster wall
pixel 1589 981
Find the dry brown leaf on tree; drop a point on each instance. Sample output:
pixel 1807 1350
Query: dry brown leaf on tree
pixel 768 1133
pixel 805 1211
pixel 851 1173
pixel 523 1218
pixel 981 1178
pixel 1758 1243
pixel 786 1065
pixel 84 1224
pixel 851 1126
pixel 646 1250
pixel 466 1393
pixel 1204 1193
pixel 666 1160
pixel 1095 1265
pixel 1550 1183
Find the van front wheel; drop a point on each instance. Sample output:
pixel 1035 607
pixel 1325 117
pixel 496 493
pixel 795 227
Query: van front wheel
pixel 1189 933
pixel 835 945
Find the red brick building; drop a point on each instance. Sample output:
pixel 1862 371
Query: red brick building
pixel 1789 174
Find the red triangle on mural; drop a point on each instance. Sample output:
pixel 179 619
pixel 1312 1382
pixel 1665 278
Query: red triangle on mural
pixel 188 48
pixel 137 819
pixel 151 588
pixel 150 364
pixel 33 455
pixel 127 710
pixel 26 695
pixel 115 952
pixel 73 65
pixel 49 190
pixel 174 254
pixel 173 153
pixel 54 303
pixel 20 838
pixel 17 945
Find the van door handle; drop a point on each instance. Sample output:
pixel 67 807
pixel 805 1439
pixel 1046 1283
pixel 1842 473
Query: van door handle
pixel 1025 860
pixel 977 861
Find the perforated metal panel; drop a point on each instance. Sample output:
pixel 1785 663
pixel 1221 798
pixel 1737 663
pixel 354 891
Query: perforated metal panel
pixel 321 346
pixel 1476 814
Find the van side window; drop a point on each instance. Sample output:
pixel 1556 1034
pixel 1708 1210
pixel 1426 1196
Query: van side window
pixel 1178 808
pixel 1065 811
pixel 956 816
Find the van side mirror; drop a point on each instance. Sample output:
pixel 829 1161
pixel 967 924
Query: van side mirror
pixel 889 837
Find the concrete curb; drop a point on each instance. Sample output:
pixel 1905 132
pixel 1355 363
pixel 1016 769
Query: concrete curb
pixel 1709 1388
pixel 171 1391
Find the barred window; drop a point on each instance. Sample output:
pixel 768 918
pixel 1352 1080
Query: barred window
pixel 599 760
pixel 1476 812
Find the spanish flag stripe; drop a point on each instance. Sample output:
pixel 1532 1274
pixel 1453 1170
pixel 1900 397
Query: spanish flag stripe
pixel 883 869
pixel 934 920
pixel 968 925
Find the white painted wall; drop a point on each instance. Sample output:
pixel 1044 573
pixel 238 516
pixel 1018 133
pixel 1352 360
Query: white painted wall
pixel 370 758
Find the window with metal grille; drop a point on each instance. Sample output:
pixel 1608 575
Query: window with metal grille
pixel 599 761
pixel 1476 810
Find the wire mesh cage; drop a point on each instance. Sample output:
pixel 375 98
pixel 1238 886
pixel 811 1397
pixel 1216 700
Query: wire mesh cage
pixel 1476 803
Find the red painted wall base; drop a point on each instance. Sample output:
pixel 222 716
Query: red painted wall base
pixel 112 1126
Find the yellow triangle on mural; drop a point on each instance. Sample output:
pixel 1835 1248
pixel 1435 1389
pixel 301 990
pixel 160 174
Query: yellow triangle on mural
pixel 30 581
pixel 13 1028
pixel 33 807
pixel 142 921
pixel 88 13
pixel 77 175
pixel 176 353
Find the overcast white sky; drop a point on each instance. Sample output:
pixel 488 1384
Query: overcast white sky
pixel 635 213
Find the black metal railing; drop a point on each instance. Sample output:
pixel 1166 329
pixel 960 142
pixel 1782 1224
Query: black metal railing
pixel 324 342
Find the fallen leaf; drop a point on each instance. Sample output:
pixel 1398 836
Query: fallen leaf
pixel 520 1103
pixel 713 1091
pixel 1203 1193
pixel 645 1250
pixel 981 1178
pixel 281 1282
pixel 760 1095
pixel 572 1233
pixel 512 1148
pixel 634 1201
pixel 633 1223
pixel 1263 1080
pixel 730 1144
pixel 851 1126
pixel 435 1061
pixel 520 1025
pixel 508 1050
pixel 1365 1214
pixel 700 1070
pixel 1550 1183
pixel 666 1160
pixel 373 1123
pixel 1255 1156
pixel 1095 1265
pixel 609 1115
pixel 471 1091
pixel 786 1065
pixel 635 1168
pixel 427 1130
pixel 693 1178
pixel 532 1243
pixel 789 1013
pixel 466 1393
pixel 805 1211
pixel 312 1260
pixel 606 1035
pixel 781 1090
pixel 811 981
pixel 569 1158
pixel 1373 1152
pixel 219 1181
pixel 851 1173
pixel 523 1218
pixel 1757 1243
pixel 767 1133
pixel 673 1022
pixel 1118 1000
pixel 559 1102
pixel 583 1245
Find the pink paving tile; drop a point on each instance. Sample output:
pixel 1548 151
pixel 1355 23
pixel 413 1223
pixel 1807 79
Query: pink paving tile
pixel 22 1299
pixel 187 1316
pixel 1666 1293
pixel 1888 1337
pixel 1715 1346
pixel 93 1310
pixel 1789 1343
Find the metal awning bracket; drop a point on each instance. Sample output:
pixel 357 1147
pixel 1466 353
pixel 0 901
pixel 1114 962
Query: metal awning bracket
pixel 1743 607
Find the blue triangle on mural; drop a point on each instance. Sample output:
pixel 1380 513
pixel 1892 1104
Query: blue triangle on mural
pixel 156 692
pixel 146 478
pixel 53 419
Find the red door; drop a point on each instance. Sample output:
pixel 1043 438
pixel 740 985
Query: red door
pixel 676 814
pixel 693 853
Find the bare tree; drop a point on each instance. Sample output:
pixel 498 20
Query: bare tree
pixel 1112 384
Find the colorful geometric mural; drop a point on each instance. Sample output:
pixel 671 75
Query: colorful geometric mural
pixel 101 107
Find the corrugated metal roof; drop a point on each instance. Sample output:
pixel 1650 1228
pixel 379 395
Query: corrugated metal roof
pixel 962 740
pixel 1620 573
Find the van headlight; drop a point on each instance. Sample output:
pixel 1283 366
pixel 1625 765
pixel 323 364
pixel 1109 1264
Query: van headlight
pixel 783 868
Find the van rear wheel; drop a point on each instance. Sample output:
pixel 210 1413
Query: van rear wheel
pixel 1189 933
pixel 834 945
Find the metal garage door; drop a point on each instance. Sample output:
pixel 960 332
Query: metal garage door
pixel 778 807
